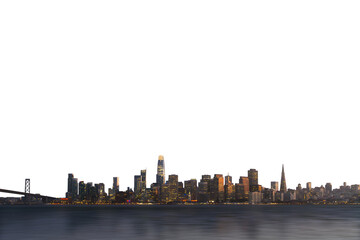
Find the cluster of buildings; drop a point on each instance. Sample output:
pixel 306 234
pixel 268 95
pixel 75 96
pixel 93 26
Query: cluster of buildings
pixel 216 189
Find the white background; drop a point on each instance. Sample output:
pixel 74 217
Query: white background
pixel 101 88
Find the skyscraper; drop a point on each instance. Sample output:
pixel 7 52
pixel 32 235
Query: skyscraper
pixel 88 190
pixel 191 189
pixel 115 185
pixel 137 184
pixel 143 180
pixel 253 180
pixel 82 190
pixel 229 189
pixel 70 179
pixel 217 188
pixel 283 181
pixel 242 189
pixel 160 176
pixel 204 188
pixel 173 187
pixel 140 182
pixel 72 186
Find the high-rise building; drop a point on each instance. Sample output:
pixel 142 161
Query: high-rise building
pixel 242 189
pixel 70 178
pixel 137 184
pixel 93 196
pixel 82 190
pixel 164 193
pixel 228 179
pixel 143 180
pixel 283 181
pixel 191 189
pixel 160 176
pixel 308 186
pixel 299 193
pixel 75 187
pixel 100 191
pixel 229 189
pixel 204 188
pixel 275 186
pixel 173 187
pixel 253 180
pixel 115 188
pixel 72 186
pixel 217 188
pixel 140 183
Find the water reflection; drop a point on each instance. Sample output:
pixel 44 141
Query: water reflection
pixel 179 222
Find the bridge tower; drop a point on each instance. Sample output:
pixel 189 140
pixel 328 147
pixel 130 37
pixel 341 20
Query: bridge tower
pixel 27 185
pixel 27 190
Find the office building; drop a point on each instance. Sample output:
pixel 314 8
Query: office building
pixel 275 186
pixel 191 190
pixel 217 188
pixel 143 180
pixel 253 180
pixel 173 188
pixel 204 188
pixel 72 186
pixel 115 188
pixel 160 176
pixel 82 190
pixel 229 189
pixel 137 184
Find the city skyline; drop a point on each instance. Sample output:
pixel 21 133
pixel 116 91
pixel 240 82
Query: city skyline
pixel 103 96
pixel 208 190
pixel 280 184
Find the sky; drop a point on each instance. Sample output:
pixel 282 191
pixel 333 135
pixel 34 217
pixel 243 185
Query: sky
pixel 101 89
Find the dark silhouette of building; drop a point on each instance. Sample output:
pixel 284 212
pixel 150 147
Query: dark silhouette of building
pixel 88 193
pixel 72 186
pixel 82 190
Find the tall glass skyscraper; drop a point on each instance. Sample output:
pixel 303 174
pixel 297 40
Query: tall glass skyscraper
pixel 160 176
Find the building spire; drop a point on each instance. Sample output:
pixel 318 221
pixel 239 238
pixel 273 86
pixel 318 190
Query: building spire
pixel 283 181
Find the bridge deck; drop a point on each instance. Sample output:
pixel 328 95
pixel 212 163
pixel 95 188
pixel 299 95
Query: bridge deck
pixel 23 193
